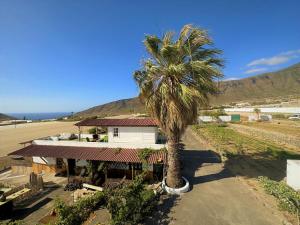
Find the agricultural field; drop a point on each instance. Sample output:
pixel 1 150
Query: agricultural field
pixel 281 132
pixel 246 155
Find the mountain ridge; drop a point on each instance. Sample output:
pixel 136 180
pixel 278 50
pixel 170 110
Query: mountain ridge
pixel 281 83
pixel 4 117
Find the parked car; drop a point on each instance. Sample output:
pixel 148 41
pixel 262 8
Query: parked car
pixel 295 117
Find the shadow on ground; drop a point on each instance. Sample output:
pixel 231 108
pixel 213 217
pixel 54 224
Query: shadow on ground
pixel 25 208
pixel 257 164
pixel 162 214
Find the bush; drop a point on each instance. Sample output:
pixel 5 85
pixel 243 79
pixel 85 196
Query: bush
pixel 92 130
pixel 214 113
pixel 131 203
pixel 76 214
pixel 145 153
pixel 289 199
pixel 104 139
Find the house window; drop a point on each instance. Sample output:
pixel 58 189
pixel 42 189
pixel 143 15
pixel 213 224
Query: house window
pixel 116 132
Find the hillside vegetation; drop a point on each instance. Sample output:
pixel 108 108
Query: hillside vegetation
pixel 277 84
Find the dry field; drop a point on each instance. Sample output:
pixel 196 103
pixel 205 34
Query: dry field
pixel 282 126
pixel 11 136
pixel 283 132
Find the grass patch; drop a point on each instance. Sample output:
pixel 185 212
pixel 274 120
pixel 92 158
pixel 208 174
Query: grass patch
pixel 77 213
pixel 288 199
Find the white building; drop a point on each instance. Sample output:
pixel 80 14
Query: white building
pixel 125 138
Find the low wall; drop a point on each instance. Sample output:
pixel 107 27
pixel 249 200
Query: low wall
pixel 266 110
pixel 293 174
pixel 21 169
pixel 42 168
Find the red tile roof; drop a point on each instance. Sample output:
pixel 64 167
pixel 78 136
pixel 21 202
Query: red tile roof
pixel 89 153
pixel 149 122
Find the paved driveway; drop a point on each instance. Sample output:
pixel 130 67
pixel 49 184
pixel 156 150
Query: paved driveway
pixel 216 197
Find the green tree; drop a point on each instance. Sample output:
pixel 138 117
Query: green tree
pixel 175 81
pixel 257 111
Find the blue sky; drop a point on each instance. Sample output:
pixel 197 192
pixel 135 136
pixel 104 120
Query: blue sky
pixel 58 55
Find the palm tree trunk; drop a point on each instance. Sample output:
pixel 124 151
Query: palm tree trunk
pixel 174 178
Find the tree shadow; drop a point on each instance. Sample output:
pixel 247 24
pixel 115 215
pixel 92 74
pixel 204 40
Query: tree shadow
pixel 257 164
pixel 28 206
pixel 22 213
pixel 162 215
pixel 250 165
pixel 194 160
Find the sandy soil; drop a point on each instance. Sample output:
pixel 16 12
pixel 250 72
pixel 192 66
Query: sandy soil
pixel 11 136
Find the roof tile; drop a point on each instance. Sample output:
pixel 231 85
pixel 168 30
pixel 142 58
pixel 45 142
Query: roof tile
pixel 148 122
pixel 89 153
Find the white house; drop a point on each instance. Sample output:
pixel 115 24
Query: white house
pixel 120 134
pixel 126 138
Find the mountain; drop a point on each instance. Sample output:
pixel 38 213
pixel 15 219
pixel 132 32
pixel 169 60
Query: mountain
pixel 120 107
pixel 277 84
pixel 4 117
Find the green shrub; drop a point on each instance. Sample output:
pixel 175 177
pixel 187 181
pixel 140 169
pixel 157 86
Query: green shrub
pixel 131 203
pixel 288 199
pixel 77 213
pixel 92 130
pixel 214 113
pixel 104 139
pixel 145 153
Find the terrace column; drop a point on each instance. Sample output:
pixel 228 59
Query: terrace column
pixel 79 133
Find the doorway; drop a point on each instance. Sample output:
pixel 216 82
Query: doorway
pixel 71 166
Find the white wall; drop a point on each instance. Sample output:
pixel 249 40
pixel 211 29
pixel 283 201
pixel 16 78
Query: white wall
pixel 133 135
pixel 100 144
pixel 266 110
pixel 44 160
pixel 205 119
pixel 225 118
pixel 293 174
pixel 81 163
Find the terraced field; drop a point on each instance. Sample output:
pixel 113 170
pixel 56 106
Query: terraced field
pixel 247 155
pixel 281 126
pixel 281 132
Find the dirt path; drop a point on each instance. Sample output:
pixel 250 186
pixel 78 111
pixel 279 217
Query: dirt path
pixel 216 197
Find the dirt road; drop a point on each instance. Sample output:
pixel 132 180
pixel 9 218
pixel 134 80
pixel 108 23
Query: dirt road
pixel 216 197
pixel 11 136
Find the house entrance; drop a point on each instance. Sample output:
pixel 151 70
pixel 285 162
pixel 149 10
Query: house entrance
pixel 71 166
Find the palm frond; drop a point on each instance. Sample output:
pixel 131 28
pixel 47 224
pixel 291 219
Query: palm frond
pixel 178 77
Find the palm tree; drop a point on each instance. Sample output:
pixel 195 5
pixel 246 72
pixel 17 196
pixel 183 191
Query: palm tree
pixel 174 81
pixel 257 111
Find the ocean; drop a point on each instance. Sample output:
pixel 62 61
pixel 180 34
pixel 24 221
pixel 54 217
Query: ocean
pixel 39 116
